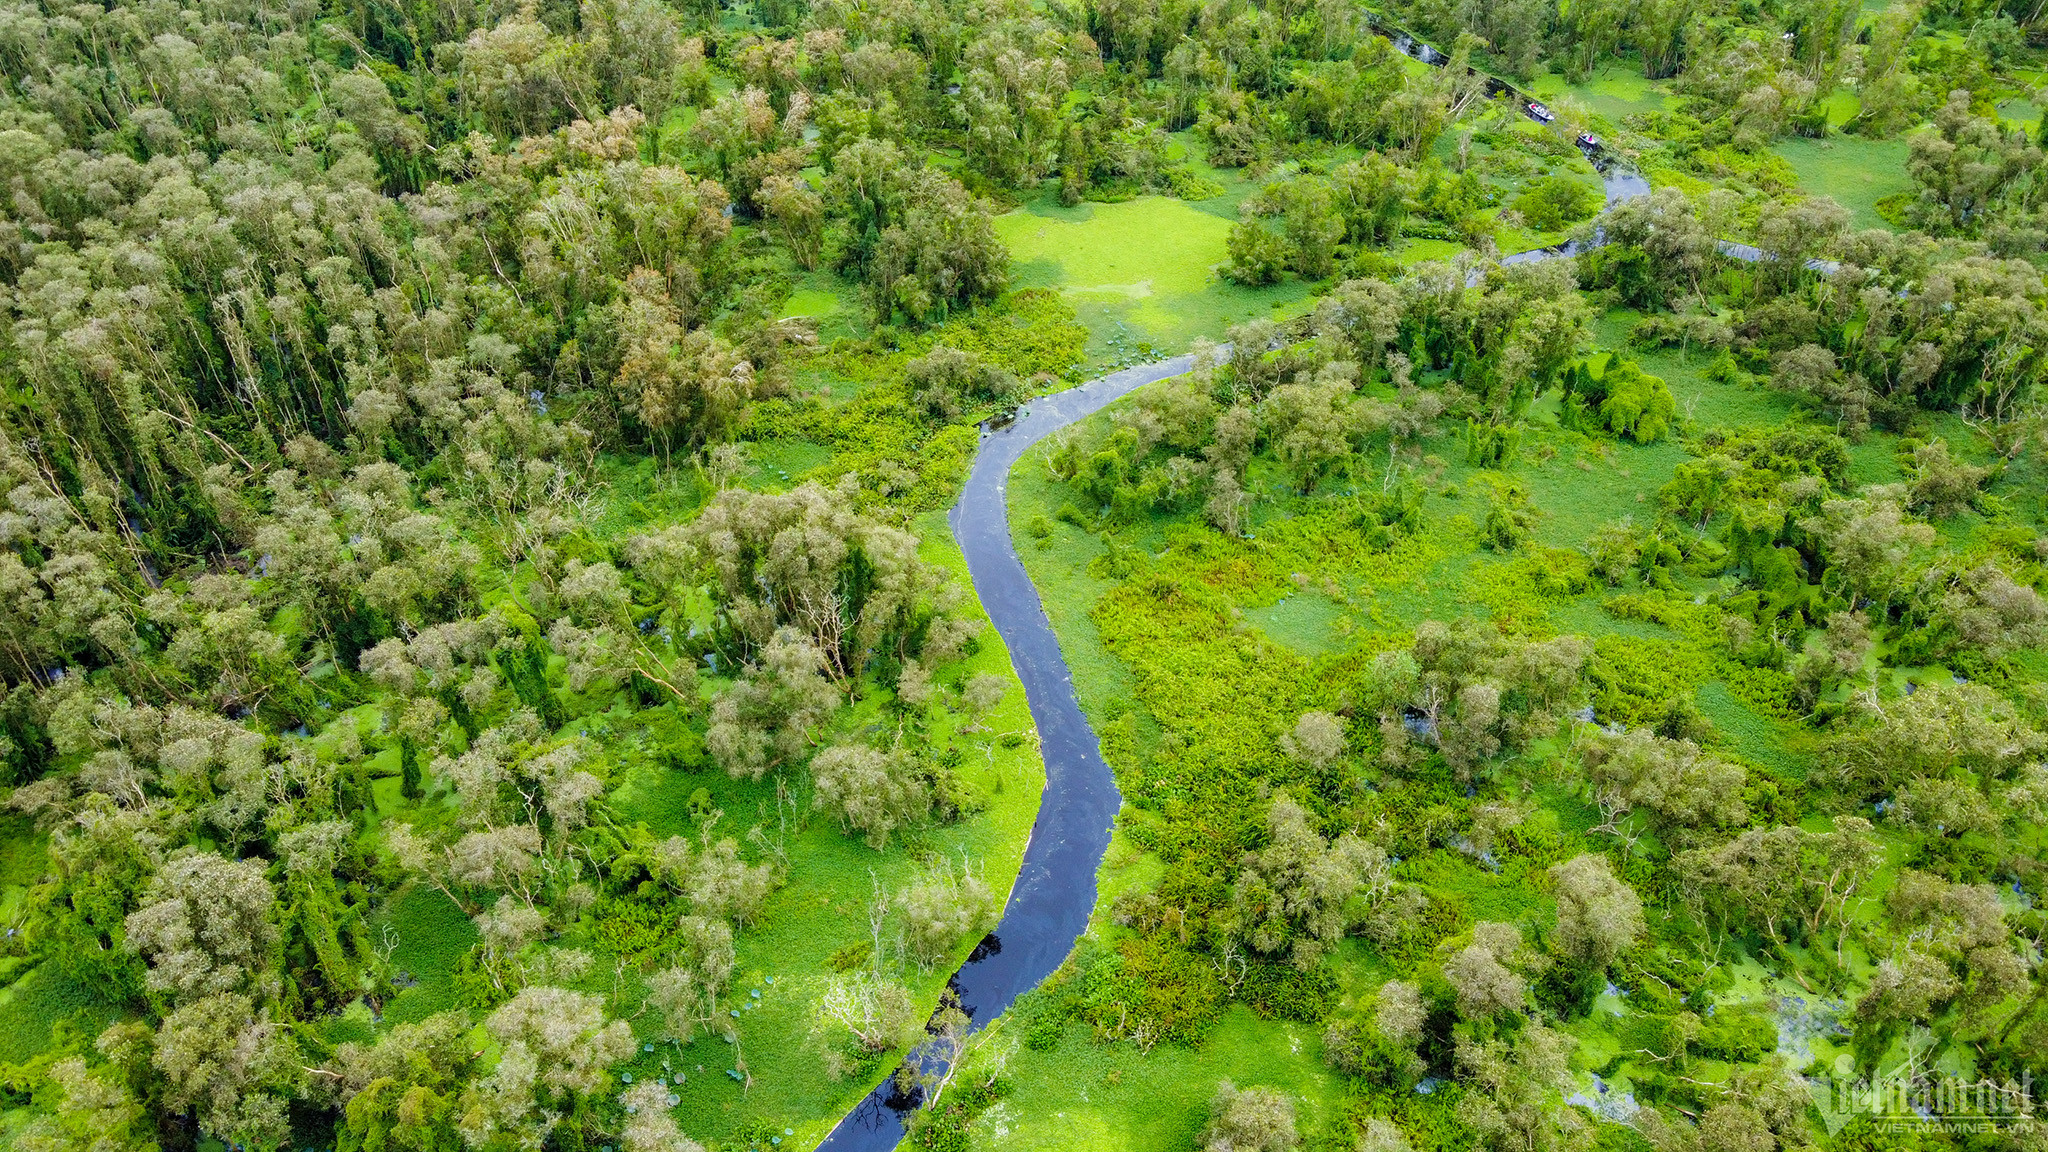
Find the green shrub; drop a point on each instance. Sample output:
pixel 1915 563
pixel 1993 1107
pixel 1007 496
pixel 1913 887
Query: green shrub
pixel 1275 988
pixel 1628 401
pixel 1258 255
pixel 1556 202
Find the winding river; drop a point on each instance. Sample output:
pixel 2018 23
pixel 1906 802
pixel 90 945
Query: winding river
pixel 1055 889
pixel 1054 894
pixel 1049 906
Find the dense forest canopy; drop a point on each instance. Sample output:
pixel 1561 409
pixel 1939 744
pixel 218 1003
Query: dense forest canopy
pixel 468 629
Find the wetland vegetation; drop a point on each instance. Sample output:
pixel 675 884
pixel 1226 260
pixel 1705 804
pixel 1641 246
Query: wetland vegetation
pixel 484 663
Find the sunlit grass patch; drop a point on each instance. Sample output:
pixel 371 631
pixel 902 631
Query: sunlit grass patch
pixel 1768 742
pixel 1307 622
pixel 2020 112
pixel 35 1006
pixel 429 935
pixel 1614 90
pixel 23 859
pixel 1416 249
pixel 1143 268
pixel 1855 171
pixel 811 302
pixel 780 464
pixel 1080 1094
pixel 1843 106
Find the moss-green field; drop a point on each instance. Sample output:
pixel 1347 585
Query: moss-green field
pixel 1141 274
pixel 1856 172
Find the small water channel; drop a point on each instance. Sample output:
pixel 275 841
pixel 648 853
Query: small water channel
pixel 1049 906
pixel 1055 891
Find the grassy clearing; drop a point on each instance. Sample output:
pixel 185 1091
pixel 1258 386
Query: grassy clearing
pixel 1141 273
pixel 1310 623
pixel 43 1005
pixel 1614 90
pixel 430 935
pixel 1855 171
pixel 1080 1094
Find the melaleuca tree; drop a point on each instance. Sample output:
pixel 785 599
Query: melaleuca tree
pixel 946 381
pixel 404 1086
pixel 687 993
pixel 772 712
pixel 557 1047
pixel 97 1114
pixel 1294 897
pixel 1012 93
pixel 1956 954
pixel 1515 1098
pixel 1483 975
pixel 226 1062
pixel 518 78
pixel 1961 731
pixel 1987 612
pixel 1680 787
pixel 1316 424
pixel 798 213
pixel 746 142
pixel 870 791
pixel 207 927
pixel 1251 1120
pixel 718 885
pixel 1317 739
pixel 807 560
pixel 921 245
pixel 1598 917
pixel 1786 881
pixel 650 1124
pixel 941 909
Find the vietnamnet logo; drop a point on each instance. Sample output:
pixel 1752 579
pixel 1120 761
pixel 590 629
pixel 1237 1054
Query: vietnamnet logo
pixel 1911 1098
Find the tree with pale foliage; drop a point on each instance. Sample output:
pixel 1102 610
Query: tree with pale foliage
pixel 876 1014
pixel 1480 974
pixel 95 1113
pixel 556 1051
pixel 769 716
pixel 871 792
pixel 208 928
pixel 1400 1013
pixel 650 1123
pixel 852 587
pixel 1250 1120
pixel 943 908
pixel 1383 1136
pixel 1787 881
pixel 1317 739
pixel 687 993
pixel 1598 916
pixel 1679 785
pixel 1293 897
pixel 1515 1089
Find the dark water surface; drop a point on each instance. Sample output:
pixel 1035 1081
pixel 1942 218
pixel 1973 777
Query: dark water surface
pixel 1055 889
